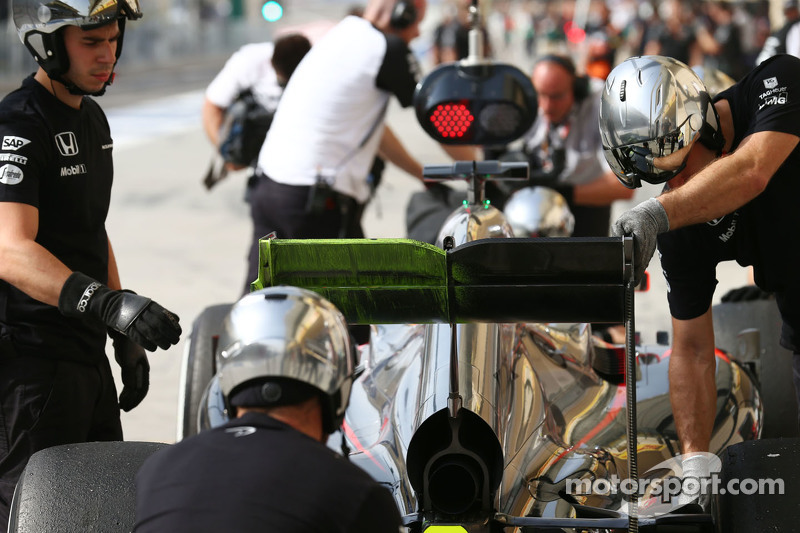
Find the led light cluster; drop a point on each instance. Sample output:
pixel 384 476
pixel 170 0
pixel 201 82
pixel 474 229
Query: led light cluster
pixel 451 120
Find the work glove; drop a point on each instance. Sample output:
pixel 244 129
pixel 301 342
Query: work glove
pixel 135 369
pixel 139 318
pixel 644 222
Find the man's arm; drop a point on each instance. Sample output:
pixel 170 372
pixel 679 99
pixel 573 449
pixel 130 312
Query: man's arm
pixel 728 182
pixel 601 191
pixel 113 272
pixel 393 151
pixel 462 153
pixel 212 120
pixel 24 263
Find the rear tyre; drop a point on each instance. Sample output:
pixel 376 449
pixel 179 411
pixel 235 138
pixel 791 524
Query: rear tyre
pixel 80 487
pixel 753 469
pixel 199 366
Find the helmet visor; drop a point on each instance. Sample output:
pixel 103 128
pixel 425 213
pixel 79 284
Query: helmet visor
pixel 47 17
pixel 654 160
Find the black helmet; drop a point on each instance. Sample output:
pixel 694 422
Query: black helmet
pixel 39 24
pixel 279 344
pixel 652 111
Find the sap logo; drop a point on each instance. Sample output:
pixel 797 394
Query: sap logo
pixel 10 174
pixel 74 170
pixel 67 144
pixel 14 158
pixel 11 142
pixel 771 83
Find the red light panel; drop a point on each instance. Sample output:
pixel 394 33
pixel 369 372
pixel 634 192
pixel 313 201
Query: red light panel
pixel 451 120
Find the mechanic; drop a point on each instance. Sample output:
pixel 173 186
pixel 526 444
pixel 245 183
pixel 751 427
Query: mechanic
pixel 563 145
pixel 786 40
pixel 59 286
pixel 728 196
pixel 314 165
pixel 264 69
pixel 287 369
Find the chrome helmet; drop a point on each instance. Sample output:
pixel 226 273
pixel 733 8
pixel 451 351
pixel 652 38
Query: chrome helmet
pixel 39 22
pixel 539 212
pixel 281 340
pixel 652 111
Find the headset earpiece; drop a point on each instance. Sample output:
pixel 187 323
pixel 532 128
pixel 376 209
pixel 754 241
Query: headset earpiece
pixel 580 87
pixel 580 84
pixel 404 14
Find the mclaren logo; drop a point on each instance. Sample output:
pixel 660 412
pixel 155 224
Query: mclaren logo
pixel 241 431
pixel 11 142
pixel 67 144
pixel 10 174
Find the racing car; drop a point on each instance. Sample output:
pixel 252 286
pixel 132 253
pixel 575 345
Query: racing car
pixel 486 402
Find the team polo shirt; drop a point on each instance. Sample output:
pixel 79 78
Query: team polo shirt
pixel 250 67
pixel 330 120
pixel 58 160
pixel 578 137
pixel 761 233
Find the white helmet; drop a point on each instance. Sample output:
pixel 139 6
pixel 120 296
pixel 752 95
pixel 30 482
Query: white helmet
pixel 279 344
pixel 652 111
pixel 38 23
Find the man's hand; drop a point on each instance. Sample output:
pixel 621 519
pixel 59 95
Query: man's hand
pixel 135 369
pixel 140 319
pixel 644 222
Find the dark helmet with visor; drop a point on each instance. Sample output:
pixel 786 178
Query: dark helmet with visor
pixel 652 111
pixel 278 345
pixel 40 26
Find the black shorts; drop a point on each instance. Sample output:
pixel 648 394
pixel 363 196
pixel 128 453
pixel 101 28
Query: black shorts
pixel 48 402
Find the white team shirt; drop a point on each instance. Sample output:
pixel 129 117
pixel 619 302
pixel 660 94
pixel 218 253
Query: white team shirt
pixel 329 108
pixel 250 67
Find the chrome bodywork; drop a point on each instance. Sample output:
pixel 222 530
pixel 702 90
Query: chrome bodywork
pixel 544 414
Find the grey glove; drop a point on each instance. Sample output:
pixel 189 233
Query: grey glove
pixel 135 370
pixel 644 222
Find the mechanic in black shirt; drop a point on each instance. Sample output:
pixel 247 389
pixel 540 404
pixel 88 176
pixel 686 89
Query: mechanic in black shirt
pixel 59 286
pixel 287 367
pixel 729 196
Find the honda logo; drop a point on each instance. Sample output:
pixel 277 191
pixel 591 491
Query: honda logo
pixel 67 143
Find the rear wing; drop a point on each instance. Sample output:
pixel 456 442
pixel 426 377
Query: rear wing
pixel 376 281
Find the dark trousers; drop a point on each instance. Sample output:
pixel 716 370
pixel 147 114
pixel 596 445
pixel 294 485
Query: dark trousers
pixel 286 210
pixel 47 403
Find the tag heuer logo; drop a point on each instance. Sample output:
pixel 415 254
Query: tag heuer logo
pixel 11 142
pixel 67 143
pixel 771 83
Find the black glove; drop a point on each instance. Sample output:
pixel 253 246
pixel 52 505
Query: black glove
pixel 140 319
pixel 644 222
pixel 135 369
